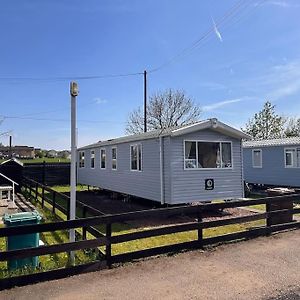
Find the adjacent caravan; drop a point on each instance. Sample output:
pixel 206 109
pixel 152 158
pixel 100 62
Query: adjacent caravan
pixel 272 162
pixel 197 162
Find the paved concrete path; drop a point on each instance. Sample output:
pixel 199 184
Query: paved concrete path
pixel 264 268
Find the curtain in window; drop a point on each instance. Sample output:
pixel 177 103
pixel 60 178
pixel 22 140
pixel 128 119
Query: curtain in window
pixel 103 158
pixel 134 157
pixel 226 155
pixel 190 155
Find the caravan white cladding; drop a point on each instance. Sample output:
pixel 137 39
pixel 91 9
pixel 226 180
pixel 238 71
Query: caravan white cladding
pixel 199 162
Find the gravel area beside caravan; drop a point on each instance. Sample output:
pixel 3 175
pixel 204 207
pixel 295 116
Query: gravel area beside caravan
pixel 264 268
pixel 104 203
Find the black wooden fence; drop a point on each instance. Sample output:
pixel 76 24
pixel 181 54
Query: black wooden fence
pixel 61 202
pixel 109 239
pixel 48 173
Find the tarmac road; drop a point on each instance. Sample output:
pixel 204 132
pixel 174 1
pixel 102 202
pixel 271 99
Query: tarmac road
pixel 264 268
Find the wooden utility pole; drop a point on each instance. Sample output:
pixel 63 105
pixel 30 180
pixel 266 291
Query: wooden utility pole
pixel 145 101
pixel 10 146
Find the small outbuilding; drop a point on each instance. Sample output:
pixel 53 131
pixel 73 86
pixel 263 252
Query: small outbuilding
pixel 13 169
pixel 197 162
pixel 272 162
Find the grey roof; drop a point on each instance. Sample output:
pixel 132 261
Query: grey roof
pixel 272 142
pixel 213 124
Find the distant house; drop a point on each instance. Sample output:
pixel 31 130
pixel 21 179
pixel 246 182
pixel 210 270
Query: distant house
pixel 64 154
pixel 17 151
pixel 272 162
pixel 52 153
pixel 197 162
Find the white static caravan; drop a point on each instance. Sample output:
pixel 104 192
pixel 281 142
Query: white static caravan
pixel 197 162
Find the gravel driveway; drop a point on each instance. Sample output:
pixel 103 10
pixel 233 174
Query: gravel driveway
pixel 264 268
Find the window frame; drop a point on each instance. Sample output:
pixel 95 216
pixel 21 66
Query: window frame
pixel 102 149
pixel 79 166
pixel 92 150
pixel 114 159
pixel 290 149
pixel 138 158
pixel 207 141
pixel 261 161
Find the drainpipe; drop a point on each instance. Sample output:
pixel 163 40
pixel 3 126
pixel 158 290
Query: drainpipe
pixel 161 162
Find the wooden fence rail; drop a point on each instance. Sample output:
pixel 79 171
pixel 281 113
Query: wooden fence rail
pixel 109 239
pixel 32 187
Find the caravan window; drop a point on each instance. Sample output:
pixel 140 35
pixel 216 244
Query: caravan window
pixel 292 157
pixel 190 155
pixel 81 159
pixel 256 158
pixel 114 158
pixel 102 159
pixel 207 155
pixel 92 159
pixel 136 157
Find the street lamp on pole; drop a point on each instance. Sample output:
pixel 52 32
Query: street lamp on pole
pixel 74 93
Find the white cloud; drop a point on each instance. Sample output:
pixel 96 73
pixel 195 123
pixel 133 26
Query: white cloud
pixel 213 85
pixel 277 82
pixel 281 3
pixel 282 80
pixel 286 90
pixel 100 101
pixel 217 105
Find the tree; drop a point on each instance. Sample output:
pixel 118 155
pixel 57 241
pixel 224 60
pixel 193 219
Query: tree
pixel 292 127
pixel 40 154
pixel 165 109
pixel 266 124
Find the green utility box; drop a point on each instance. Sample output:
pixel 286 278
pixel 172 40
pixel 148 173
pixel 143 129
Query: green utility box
pixel 22 241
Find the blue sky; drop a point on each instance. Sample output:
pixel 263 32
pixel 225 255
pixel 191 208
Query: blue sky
pixel 257 59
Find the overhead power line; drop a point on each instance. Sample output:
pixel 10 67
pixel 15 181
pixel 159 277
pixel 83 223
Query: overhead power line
pixel 228 16
pixel 56 120
pixel 57 110
pixel 68 78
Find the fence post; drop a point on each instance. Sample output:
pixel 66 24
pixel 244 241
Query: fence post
pixel 84 208
pixel 200 229
pixel 108 245
pixel 68 208
pixel 269 219
pixel 36 191
pixel 53 202
pixel 44 172
pixel 30 189
pixel 43 196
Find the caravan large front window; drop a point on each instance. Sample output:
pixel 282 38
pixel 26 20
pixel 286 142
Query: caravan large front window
pixel 292 157
pixel 190 155
pixel 208 155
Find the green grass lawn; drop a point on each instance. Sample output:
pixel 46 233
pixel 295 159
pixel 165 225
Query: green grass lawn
pixel 118 229
pixel 48 262
pixel 66 188
pixel 53 261
pixel 61 200
pixel 40 160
